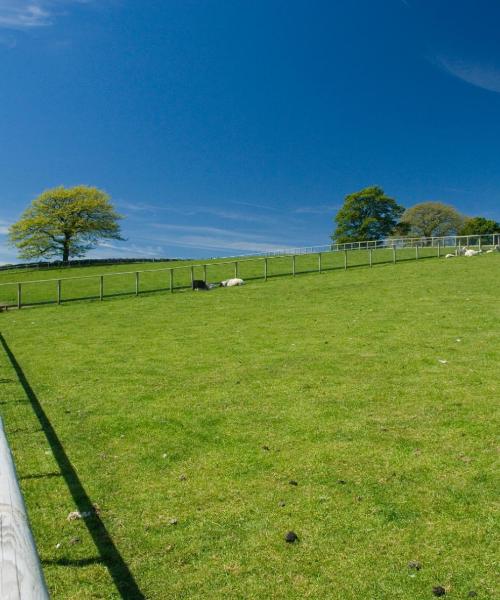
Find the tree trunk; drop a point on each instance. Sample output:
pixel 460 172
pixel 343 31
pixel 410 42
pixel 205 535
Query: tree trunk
pixel 66 250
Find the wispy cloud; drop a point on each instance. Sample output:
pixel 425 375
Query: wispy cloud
pixel 483 76
pixel 215 238
pixel 4 227
pixel 193 211
pixel 318 209
pixel 130 250
pixel 32 14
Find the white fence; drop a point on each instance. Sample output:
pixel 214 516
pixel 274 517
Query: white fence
pixel 272 264
pixel 21 576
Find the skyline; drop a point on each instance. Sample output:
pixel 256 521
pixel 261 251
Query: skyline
pixel 220 128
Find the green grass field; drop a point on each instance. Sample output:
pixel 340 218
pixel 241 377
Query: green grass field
pixel 185 417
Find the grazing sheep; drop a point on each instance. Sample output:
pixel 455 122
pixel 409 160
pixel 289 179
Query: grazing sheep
pixel 232 282
pixel 472 252
pixel 450 256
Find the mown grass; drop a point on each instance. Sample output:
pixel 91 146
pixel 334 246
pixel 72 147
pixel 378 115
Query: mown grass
pixel 202 407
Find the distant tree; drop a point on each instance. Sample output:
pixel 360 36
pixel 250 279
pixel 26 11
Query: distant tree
pixel 479 226
pixel 432 219
pixel 366 215
pixel 65 222
pixel 401 229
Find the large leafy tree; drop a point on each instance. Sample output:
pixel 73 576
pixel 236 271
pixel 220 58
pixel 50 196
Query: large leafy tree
pixel 65 222
pixel 430 219
pixel 479 226
pixel 366 215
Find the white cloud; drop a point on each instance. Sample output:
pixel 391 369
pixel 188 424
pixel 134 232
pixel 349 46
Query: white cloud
pixel 483 76
pixel 221 213
pixel 215 238
pixel 31 14
pixel 318 209
pixel 4 227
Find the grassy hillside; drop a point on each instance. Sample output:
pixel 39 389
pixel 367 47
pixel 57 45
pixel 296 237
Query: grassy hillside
pixel 185 417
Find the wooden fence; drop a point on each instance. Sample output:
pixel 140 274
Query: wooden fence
pixel 99 286
pixel 21 576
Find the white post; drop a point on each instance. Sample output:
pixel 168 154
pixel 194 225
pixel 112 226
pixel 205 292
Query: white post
pixel 137 283
pixel 370 256
pixel 265 269
pixel 21 576
pixel 293 265
pixel 345 259
pixel 319 262
pixel 394 254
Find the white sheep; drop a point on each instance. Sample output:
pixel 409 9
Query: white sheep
pixel 232 282
pixel 450 256
pixel 472 252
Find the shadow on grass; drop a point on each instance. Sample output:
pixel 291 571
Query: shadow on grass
pixel 109 554
pixel 80 562
pixel 41 476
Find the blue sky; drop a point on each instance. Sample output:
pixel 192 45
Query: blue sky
pixel 220 127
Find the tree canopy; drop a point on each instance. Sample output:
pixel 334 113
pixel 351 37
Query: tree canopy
pixel 65 222
pixel 366 215
pixel 479 226
pixel 430 219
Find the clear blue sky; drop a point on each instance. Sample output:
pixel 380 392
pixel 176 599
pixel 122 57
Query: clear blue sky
pixel 226 126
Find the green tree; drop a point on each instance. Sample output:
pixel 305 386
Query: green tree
pixel 479 226
pixel 430 219
pixel 65 222
pixel 366 215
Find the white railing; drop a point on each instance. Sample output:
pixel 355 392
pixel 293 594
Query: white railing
pixel 21 576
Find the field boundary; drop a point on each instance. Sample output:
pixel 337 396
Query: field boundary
pixel 182 277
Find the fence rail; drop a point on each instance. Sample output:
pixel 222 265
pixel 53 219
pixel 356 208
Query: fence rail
pixel 21 576
pixel 305 260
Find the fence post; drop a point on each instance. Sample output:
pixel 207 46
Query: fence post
pixel 101 287
pixel 21 576
pixel 58 291
pixel 416 251
pixel 205 273
pixel 137 283
pixel 479 242
pixel 319 262
pixel 394 254
pixel 439 249
pixel 370 256
pixel 19 296
pixel 192 276
pixel 236 268
pixel 171 280
pixel 293 265
pixel 265 269
pixel 345 259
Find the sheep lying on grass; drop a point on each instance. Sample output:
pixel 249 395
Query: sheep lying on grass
pixel 472 252
pixel 232 282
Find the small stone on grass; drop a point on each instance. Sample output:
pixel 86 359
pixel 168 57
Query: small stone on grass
pixel 438 591
pixel 291 537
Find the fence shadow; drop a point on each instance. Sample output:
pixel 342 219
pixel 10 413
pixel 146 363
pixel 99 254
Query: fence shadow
pixel 109 554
